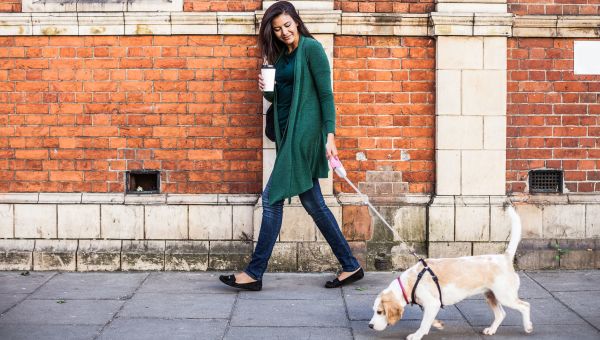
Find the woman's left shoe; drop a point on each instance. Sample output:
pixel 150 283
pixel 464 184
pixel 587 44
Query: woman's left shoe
pixel 359 274
pixel 230 281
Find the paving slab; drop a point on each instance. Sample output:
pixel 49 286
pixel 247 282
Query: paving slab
pixel 586 304
pixel 160 329
pixel 90 286
pixel 9 300
pixel 71 312
pixel 360 307
pixel 290 313
pixel 543 312
pixel 547 332
pixel 185 283
pixel 14 282
pixel 48 332
pixel 372 283
pixel 453 329
pixel 288 333
pixel 166 305
pixel 305 287
pixel 568 280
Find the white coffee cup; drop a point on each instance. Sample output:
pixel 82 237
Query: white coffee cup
pixel 268 75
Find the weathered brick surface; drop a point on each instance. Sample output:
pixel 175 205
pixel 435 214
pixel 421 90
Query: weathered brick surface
pixel 386 6
pixel 384 92
pixel 553 115
pixel 10 6
pixel 221 5
pixel 77 112
pixel 554 7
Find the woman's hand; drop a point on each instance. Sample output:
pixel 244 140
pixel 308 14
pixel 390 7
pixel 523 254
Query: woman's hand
pixel 330 146
pixel 261 83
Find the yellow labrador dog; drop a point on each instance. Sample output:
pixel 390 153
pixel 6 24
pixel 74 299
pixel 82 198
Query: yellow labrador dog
pixel 459 278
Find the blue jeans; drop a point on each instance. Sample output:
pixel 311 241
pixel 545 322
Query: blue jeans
pixel 312 201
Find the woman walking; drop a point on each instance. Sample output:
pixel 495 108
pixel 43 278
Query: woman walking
pixel 305 140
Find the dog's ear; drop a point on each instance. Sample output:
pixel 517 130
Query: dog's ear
pixel 391 306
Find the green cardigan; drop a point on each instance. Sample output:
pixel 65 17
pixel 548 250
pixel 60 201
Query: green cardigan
pixel 301 154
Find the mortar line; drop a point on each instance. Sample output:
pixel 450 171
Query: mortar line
pixel 228 326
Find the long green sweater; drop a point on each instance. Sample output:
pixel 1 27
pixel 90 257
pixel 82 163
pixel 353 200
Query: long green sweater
pixel 301 154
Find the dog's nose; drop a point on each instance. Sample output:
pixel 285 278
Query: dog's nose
pixel 371 325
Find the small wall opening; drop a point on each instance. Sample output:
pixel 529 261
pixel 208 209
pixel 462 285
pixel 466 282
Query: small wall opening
pixel 546 181
pixel 142 182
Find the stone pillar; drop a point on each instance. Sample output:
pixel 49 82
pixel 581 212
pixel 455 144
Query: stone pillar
pixel 470 122
pixel 300 243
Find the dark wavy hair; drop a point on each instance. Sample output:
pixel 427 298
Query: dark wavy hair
pixel 272 47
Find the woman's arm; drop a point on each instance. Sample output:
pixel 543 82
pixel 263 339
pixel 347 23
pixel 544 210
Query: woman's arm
pixel 318 65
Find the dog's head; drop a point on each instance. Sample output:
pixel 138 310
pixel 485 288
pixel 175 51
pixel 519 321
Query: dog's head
pixel 387 310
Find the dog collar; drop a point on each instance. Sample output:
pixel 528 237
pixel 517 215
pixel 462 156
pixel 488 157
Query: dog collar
pixel 403 291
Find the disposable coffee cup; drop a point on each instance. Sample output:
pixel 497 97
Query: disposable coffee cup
pixel 268 75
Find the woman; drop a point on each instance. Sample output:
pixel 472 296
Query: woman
pixel 304 130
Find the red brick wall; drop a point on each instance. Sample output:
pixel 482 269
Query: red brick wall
pixel 386 6
pixel 221 5
pixel 384 91
pixel 76 112
pixel 553 115
pixel 554 7
pixel 10 5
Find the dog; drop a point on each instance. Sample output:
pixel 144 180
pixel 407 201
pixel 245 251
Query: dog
pixel 459 278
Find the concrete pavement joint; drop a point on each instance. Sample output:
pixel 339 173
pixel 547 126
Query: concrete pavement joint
pixel 121 308
pixel 28 295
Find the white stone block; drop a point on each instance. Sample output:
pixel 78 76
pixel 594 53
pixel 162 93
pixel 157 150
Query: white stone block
pixel 297 225
pixel 101 24
pixel 211 222
pixel 104 6
pixel 451 24
pixel 441 223
pixel 166 222
pixel 459 132
pixel 489 248
pixel 77 221
pixel 531 220
pixel 592 218
pixel 44 6
pixel 155 5
pixel 449 249
pixel 448 86
pixel 99 198
pixel 494 53
pixel 472 223
pixel 145 199
pixel 483 172
pixel 55 255
pixel 55 24
pixel 494 132
pixel 237 199
pixel 122 221
pixel 16 254
pixel 323 5
pixel 143 255
pixel 243 227
pixel 15 24
pixel 6 221
pixel 269 156
pixel 500 225
pixel 35 220
pixel 458 53
pixel 63 198
pixel 99 255
pixel 240 23
pixel 564 221
pixel 448 172
pixel 484 92
pixel 409 223
pixel 147 24
pixel 10 197
pixel 194 23
pixel 193 199
pixel 322 22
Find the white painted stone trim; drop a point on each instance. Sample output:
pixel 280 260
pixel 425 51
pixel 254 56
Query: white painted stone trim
pixel 320 22
pixel 306 4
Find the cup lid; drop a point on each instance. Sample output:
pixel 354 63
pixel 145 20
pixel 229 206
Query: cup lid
pixel 268 66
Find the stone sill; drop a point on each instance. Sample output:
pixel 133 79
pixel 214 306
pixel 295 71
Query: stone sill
pixel 112 198
pixel 54 6
pixel 319 22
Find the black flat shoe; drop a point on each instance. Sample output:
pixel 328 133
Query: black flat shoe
pixel 230 281
pixel 352 278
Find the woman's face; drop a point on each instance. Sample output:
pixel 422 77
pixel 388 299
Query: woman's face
pixel 286 30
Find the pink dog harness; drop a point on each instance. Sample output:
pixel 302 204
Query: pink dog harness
pixel 403 292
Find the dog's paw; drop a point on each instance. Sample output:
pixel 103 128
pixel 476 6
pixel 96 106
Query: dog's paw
pixel 438 324
pixel 489 331
pixel 529 328
pixel 414 336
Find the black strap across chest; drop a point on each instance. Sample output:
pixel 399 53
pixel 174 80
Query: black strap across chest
pixel 433 276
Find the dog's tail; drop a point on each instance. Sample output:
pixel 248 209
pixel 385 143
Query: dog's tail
pixel 515 233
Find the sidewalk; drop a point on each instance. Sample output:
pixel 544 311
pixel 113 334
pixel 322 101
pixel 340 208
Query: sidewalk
pixel 181 305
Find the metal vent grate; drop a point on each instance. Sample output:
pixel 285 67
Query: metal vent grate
pixel 545 181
